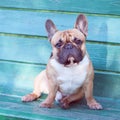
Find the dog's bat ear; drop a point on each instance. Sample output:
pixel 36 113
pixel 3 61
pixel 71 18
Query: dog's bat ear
pixel 51 28
pixel 82 24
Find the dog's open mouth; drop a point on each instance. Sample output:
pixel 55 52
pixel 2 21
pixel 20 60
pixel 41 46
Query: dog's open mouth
pixel 69 55
pixel 69 59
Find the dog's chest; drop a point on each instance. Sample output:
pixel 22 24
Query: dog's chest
pixel 71 78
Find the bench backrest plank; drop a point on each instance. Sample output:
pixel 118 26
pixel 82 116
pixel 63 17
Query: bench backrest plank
pixel 111 7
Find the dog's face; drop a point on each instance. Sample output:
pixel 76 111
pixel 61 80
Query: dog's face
pixel 69 45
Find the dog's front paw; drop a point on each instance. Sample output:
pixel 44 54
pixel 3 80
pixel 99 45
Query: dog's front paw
pixel 29 97
pixel 46 105
pixel 64 102
pixel 95 106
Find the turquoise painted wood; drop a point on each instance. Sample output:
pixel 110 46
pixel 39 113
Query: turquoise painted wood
pixel 31 110
pixel 111 7
pixel 25 50
pixel 17 79
pixel 101 28
pixel 20 50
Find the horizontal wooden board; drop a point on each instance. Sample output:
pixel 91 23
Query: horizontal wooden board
pixel 12 106
pixel 96 6
pixel 8 117
pixel 101 28
pixel 17 79
pixel 107 85
pixel 25 49
pixel 31 50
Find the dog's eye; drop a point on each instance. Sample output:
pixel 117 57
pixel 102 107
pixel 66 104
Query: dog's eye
pixel 59 44
pixel 77 41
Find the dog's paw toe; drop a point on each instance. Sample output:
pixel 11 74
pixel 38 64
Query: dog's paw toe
pixel 29 98
pixel 64 103
pixel 45 105
pixel 64 106
pixel 95 106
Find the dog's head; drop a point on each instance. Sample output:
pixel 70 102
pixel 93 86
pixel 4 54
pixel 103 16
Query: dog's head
pixel 69 45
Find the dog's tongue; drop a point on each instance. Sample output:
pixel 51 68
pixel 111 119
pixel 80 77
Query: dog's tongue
pixel 71 61
pixel 69 57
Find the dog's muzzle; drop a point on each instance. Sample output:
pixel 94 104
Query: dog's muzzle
pixel 69 54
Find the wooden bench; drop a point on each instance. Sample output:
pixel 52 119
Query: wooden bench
pixel 24 52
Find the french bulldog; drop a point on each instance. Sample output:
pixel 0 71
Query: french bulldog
pixel 69 74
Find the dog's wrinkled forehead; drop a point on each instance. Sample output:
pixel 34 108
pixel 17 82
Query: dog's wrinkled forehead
pixel 68 36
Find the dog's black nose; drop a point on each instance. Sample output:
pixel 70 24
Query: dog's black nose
pixel 68 46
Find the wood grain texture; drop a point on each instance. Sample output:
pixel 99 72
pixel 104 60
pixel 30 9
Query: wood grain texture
pixel 97 6
pixel 12 106
pixel 38 51
pixel 107 85
pixel 17 79
pixel 25 49
pixel 23 56
pixel 33 23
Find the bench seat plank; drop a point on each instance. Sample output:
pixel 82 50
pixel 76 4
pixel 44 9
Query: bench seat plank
pixel 12 106
pixel 21 22
pixel 97 6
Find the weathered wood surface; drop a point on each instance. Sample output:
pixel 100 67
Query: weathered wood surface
pixel 101 28
pixel 17 79
pixel 109 7
pixel 24 52
pixel 13 107
pixel 37 51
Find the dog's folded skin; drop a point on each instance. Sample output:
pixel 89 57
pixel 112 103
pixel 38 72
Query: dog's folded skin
pixel 69 73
